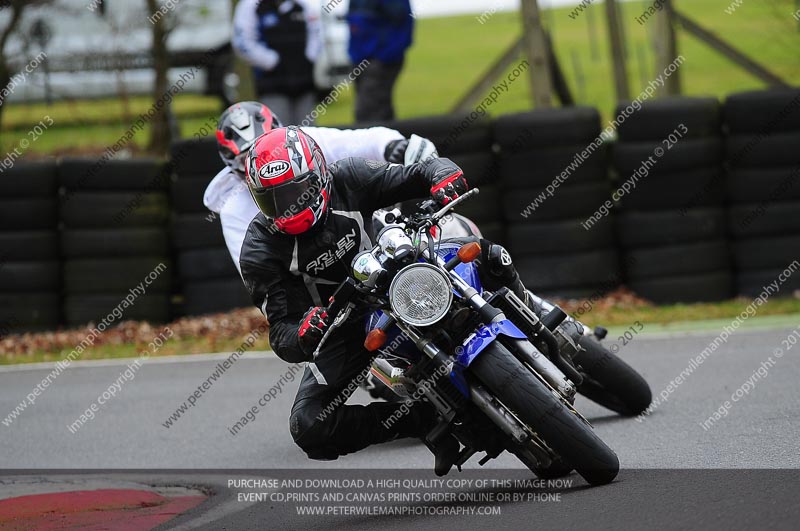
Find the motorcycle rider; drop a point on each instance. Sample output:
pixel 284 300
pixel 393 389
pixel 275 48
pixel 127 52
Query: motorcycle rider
pixel 242 123
pixel 299 248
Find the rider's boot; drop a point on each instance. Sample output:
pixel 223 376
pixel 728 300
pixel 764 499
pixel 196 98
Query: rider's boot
pixel 445 454
pixel 420 422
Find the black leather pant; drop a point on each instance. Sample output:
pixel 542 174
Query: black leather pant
pixel 324 427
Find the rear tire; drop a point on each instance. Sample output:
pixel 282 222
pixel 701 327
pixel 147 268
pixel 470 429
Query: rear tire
pixel 612 383
pixel 536 406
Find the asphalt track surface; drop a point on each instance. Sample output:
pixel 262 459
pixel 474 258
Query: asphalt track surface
pixel 675 474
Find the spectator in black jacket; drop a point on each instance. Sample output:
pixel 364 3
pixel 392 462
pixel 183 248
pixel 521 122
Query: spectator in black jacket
pixel 281 39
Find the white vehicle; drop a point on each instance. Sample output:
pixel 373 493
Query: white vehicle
pixel 102 48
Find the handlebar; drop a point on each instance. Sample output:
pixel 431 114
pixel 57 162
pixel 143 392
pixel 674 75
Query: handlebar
pixel 339 306
pixel 452 204
pixel 341 297
pixel 432 219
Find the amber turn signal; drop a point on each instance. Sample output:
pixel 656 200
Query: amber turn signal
pixel 375 340
pixel 469 252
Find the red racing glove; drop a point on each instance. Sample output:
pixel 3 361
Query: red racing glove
pixel 312 327
pixel 447 187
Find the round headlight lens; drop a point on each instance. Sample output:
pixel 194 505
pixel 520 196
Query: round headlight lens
pixel 420 294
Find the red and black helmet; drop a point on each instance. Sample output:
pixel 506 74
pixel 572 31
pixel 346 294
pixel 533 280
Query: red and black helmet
pixel 239 127
pixel 288 179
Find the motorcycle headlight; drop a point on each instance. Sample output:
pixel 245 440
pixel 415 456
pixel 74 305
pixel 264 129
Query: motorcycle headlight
pixel 420 294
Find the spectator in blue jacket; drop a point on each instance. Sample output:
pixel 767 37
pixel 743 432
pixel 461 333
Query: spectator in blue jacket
pixel 380 32
pixel 281 40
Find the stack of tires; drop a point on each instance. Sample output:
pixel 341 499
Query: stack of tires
pixel 30 278
pixel 207 277
pixel 763 186
pixel 467 141
pixel 554 253
pixel 672 223
pixel 114 240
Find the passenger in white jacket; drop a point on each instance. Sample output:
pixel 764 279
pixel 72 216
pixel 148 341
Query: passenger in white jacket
pixel 239 127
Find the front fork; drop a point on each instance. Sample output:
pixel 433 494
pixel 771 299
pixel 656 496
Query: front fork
pixel 517 342
pixel 485 402
pixel 599 333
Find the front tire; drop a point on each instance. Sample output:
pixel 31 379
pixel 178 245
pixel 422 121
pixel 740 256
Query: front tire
pixel 611 382
pixel 536 406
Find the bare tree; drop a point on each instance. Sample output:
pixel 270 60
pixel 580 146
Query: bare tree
pixel 160 135
pixel 247 86
pixel 16 7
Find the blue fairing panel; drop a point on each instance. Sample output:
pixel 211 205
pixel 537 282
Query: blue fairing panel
pixel 469 272
pixel 477 343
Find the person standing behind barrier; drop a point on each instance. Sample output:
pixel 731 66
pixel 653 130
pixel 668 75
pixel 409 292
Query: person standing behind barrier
pixel 280 39
pixel 380 32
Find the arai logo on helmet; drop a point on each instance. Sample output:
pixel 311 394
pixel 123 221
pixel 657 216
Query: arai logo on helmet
pixel 273 169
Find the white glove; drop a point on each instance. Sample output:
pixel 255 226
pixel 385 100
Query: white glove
pixel 419 150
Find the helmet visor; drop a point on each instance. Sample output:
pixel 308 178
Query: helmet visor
pixel 291 198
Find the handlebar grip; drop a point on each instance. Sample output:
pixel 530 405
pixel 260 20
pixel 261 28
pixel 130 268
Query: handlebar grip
pixel 341 297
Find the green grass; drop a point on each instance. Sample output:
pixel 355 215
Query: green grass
pixel 652 317
pixel 173 347
pixel 464 49
pixel 450 54
pixel 107 110
pixel 91 125
pixel 617 315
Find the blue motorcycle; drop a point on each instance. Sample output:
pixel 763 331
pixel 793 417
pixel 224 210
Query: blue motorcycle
pixel 494 371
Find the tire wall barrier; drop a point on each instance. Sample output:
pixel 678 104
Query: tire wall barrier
pixel 715 215
pixel 207 277
pixel 762 186
pixel 114 238
pixel 30 265
pixel 553 173
pixel 670 226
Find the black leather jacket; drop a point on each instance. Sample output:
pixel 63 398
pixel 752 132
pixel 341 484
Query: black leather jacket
pixel 294 73
pixel 286 275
